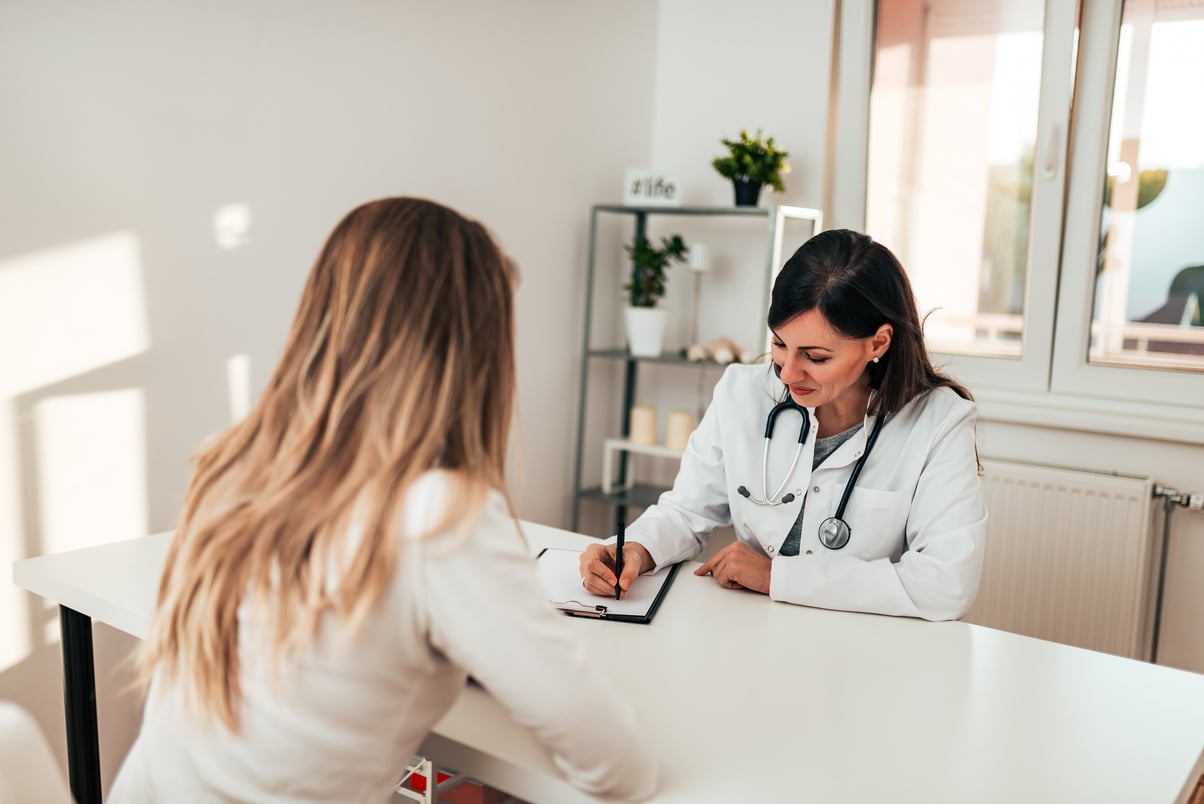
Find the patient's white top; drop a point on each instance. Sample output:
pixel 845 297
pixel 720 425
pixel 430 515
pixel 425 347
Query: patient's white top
pixel 349 713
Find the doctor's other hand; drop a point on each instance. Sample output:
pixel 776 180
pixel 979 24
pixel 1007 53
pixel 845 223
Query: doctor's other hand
pixel 738 566
pixel 598 567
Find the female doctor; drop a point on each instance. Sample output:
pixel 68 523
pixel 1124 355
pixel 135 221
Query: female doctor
pixel 848 467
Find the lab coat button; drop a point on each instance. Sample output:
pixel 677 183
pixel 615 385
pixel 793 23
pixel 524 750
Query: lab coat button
pixel 815 489
pixel 770 548
pixel 807 553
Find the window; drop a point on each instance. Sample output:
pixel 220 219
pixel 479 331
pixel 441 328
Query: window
pixel 1150 280
pixel 953 132
pixel 1037 166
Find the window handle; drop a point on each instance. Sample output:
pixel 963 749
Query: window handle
pixel 1053 147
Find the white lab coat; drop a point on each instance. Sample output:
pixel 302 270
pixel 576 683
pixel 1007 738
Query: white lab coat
pixel 917 516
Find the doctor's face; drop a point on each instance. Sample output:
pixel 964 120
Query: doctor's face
pixel 819 365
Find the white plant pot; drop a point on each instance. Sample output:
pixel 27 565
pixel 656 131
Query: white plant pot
pixel 646 330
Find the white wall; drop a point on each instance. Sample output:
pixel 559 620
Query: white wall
pixel 128 124
pixel 721 67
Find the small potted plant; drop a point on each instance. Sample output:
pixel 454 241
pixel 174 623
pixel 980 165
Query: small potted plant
pixel 645 322
pixel 750 163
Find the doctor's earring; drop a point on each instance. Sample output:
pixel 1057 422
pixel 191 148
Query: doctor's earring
pixel 875 360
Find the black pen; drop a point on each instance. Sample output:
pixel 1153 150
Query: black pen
pixel 619 561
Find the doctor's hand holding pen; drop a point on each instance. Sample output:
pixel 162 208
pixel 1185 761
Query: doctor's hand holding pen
pixel 598 568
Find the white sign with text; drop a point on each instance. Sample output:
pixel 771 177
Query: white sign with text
pixel 651 188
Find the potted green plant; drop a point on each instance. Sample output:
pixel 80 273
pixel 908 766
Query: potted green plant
pixel 750 163
pixel 649 262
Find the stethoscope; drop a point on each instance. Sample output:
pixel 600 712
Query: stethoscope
pixel 834 532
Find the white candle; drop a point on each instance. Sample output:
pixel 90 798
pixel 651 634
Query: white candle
pixel 643 424
pixel 681 424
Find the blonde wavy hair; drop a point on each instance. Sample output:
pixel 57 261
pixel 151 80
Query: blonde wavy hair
pixel 400 360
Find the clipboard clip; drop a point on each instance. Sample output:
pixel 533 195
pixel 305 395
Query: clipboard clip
pixel 586 610
pixel 598 612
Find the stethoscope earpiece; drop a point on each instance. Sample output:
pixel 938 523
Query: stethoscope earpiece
pixel 786 404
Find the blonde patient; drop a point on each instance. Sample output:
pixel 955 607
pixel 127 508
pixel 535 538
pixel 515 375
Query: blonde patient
pixel 348 554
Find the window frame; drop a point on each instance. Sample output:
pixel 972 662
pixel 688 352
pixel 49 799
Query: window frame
pixel 1073 372
pixel 1052 383
pixel 1031 371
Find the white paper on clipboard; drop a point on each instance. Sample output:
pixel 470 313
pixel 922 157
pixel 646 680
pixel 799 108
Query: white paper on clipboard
pixel 560 576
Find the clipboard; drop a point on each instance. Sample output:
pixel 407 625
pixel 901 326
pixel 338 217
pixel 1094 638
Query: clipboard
pixel 559 575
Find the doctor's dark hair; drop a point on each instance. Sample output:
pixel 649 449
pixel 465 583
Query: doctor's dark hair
pixel 405 325
pixel 858 285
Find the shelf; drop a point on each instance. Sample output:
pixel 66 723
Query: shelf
pixel 616 452
pixel 748 212
pixel 674 357
pixel 641 495
pixel 659 450
pixel 611 445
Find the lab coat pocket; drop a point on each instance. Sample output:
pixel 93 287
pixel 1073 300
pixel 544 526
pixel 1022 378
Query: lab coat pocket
pixel 878 520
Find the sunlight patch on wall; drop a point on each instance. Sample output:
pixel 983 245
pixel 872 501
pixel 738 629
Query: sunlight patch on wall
pixel 65 311
pixel 68 310
pixel 91 456
pixel 14 634
pixel 231 226
pixel 238 383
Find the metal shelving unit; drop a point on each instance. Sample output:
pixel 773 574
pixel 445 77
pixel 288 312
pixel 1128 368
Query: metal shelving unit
pixel 642 494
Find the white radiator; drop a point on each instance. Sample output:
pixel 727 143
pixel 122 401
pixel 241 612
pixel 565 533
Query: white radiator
pixel 1071 557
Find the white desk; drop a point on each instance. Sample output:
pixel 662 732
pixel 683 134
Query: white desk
pixel 752 700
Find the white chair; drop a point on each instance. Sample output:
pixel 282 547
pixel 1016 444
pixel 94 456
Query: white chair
pixel 28 771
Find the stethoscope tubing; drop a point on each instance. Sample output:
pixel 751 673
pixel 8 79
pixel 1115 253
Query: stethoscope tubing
pixel 789 404
pixel 869 445
pixel 834 532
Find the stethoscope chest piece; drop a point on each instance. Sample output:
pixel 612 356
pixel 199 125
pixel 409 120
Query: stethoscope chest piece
pixel 834 533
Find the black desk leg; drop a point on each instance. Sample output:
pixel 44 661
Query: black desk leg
pixel 79 702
